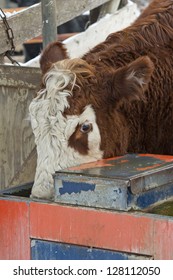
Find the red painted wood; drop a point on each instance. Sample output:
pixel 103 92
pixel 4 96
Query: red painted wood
pixel 144 234
pixel 14 230
pixel 102 229
pixel 163 239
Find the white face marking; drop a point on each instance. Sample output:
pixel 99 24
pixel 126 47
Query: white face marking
pixel 52 131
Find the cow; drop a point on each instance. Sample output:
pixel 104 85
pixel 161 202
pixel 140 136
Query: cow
pixel 116 99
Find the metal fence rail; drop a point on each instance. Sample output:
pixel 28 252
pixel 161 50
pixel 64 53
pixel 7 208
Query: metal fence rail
pixel 27 23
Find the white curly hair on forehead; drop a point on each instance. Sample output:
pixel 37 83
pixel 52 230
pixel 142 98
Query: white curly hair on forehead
pixel 52 130
pixel 46 120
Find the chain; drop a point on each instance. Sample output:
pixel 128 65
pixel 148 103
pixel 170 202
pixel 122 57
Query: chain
pixel 10 36
pixel 13 61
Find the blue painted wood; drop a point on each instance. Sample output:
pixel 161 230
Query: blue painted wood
pixel 46 250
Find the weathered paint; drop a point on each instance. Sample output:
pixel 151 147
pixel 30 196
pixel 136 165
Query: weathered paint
pixel 125 233
pixel 124 166
pixel 135 233
pixel 14 230
pixel 132 181
pixel 92 192
pixel 129 234
pixel 151 197
pixel 163 234
pixel 78 188
pixel 46 250
pixel 164 158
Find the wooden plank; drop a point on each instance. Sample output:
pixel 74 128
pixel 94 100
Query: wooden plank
pixel 97 33
pixel 147 234
pixel 14 233
pixel 99 12
pixel 27 24
pixel 163 235
pixel 69 11
pixel 46 250
pixel 18 85
pixel 87 227
pixel 60 37
pixel 12 10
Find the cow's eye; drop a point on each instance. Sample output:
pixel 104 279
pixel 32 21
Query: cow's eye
pixel 86 127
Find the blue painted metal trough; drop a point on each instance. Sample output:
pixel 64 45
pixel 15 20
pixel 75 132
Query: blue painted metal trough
pixel 129 182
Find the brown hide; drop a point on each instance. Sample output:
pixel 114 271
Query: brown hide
pixel 51 55
pixel 129 84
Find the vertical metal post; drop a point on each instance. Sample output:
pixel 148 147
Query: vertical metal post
pixel 49 29
pixel 109 7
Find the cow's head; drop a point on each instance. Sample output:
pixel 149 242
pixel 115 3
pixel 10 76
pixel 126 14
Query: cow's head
pixel 75 116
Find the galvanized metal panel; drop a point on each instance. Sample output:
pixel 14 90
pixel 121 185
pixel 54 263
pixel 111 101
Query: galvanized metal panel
pixel 18 86
pixel 15 76
pixel 91 192
pixel 46 250
pixel 132 181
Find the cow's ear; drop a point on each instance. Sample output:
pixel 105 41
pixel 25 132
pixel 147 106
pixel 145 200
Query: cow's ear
pixel 132 80
pixel 52 53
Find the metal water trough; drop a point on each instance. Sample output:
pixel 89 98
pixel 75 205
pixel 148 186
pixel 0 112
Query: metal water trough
pixel 130 182
pixel 102 210
pixel 133 181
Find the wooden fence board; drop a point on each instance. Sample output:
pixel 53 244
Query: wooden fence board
pixel 70 11
pixel 27 24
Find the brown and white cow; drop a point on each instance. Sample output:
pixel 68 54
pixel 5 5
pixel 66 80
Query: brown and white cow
pixel 117 98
